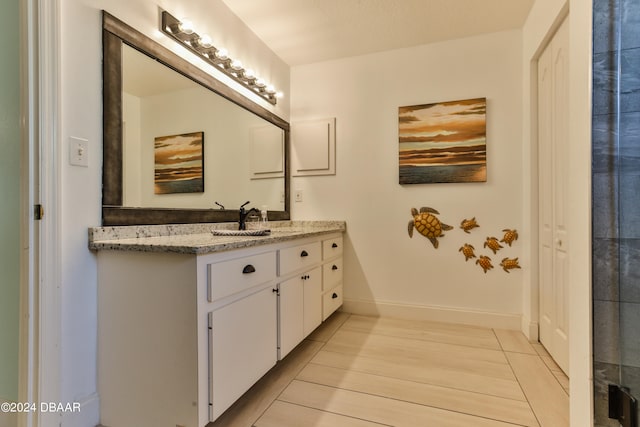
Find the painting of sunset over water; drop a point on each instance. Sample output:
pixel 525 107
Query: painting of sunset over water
pixel 179 163
pixel 443 142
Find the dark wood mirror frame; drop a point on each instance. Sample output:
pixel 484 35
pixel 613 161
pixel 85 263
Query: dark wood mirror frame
pixel 114 34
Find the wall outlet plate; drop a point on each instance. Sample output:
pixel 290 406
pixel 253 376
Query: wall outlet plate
pixel 298 195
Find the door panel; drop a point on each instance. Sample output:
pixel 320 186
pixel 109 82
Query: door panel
pixel 242 348
pixel 553 172
pixel 290 310
pixel 312 300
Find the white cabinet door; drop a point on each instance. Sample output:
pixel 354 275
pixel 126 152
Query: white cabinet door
pixel 300 309
pixel 242 347
pixel 312 300
pixel 291 315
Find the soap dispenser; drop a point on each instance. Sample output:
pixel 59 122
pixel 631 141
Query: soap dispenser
pixel 263 215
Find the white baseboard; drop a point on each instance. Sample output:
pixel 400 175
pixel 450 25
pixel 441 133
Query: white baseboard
pixel 437 314
pixel 530 329
pixel 8 419
pixel 88 415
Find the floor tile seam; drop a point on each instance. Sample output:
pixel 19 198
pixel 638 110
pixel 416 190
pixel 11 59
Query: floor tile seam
pixel 426 322
pixel 535 352
pixel 434 364
pixel 559 370
pixel 410 403
pixel 472 333
pixel 502 363
pixel 542 352
pixel 548 368
pixel 522 352
pixel 421 339
pixel 334 332
pixel 523 391
pixel 460 350
pixel 561 385
pixel 288 383
pixel 419 382
pixel 332 412
pixel 297 372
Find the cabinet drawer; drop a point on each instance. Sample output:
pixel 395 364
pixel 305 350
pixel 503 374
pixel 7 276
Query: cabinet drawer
pixel 331 301
pixel 331 274
pixel 236 275
pixel 331 247
pixel 299 257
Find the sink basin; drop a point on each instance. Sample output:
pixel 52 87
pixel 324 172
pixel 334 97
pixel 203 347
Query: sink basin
pixel 262 232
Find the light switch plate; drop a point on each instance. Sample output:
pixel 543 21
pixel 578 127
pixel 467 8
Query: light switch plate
pixel 78 152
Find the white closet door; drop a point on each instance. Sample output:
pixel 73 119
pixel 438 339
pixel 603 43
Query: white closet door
pixel 553 172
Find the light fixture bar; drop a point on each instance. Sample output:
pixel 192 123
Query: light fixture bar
pixel 201 46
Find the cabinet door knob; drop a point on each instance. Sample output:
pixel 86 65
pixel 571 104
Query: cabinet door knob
pixel 335 267
pixel 304 254
pixel 248 269
pixel 334 245
pixel 334 296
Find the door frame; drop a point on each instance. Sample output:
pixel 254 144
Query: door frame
pixel 40 291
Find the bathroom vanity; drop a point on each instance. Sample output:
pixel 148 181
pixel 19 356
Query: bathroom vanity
pixel 189 321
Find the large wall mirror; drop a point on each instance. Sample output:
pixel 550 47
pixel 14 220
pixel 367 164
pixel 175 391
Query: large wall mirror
pixel 176 140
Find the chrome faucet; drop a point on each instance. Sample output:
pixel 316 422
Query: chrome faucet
pixel 242 225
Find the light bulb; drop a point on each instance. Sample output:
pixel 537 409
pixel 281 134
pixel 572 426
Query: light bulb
pixel 205 41
pixel 260 82
pixel 279 95
pixel 236 65
pixel 222 54
pixel 248 73
pixel 271 89
pixel 186 26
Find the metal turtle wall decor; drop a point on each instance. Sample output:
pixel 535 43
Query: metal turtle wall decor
pixel 468 224
pixel 427 224
pixel 468 251
pixel 485 263
pixel 509 264
pixel 509 236
pixel 493 244
pixel 430 226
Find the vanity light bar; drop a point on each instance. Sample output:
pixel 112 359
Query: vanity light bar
pixel 201 45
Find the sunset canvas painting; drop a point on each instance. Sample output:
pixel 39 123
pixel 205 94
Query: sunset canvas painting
pixel 179 163
pixel 443 142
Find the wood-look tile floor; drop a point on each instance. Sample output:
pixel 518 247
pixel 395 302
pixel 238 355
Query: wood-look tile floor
pixel 365 371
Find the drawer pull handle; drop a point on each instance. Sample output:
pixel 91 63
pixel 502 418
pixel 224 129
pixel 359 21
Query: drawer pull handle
pixel 335 245
pixel 304 254
pixel 334 296
pixel 306 277
pixel 248 269
pixel 335 267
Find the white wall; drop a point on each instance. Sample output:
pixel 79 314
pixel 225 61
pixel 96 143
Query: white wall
pixel 385 270
pixel 10 176
pixel 80 201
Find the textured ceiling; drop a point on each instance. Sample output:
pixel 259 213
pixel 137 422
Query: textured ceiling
pixel 306 31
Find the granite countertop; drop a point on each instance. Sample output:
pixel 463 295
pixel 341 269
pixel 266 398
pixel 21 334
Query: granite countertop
pixel 198 239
